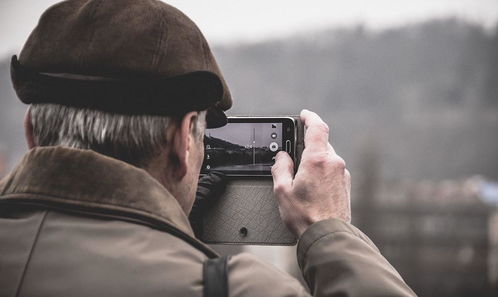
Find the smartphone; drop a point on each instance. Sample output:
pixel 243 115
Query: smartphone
pixel 247 146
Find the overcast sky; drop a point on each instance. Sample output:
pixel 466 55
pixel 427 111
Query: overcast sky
pixel 227 21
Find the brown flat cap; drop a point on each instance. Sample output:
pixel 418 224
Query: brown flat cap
pixel 121 56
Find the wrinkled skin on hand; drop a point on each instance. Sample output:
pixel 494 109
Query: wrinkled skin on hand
pixel 321 187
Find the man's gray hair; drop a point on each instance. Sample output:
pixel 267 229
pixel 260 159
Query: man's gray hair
pixel 135 139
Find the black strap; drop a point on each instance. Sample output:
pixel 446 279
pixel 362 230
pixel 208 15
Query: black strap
pixel 215 274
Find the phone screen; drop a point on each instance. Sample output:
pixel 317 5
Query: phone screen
pixel 247 146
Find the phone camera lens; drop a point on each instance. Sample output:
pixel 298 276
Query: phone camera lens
pixel 273 146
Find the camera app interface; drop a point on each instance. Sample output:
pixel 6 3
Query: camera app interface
pixel 242 148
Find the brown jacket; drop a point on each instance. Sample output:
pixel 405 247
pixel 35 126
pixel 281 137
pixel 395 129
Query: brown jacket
pixel 76 223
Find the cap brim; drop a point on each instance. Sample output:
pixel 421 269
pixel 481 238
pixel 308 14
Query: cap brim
pixel 165 96
pixel 215 117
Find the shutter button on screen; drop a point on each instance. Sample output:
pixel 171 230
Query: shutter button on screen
pixel 273 146
pixel 288 146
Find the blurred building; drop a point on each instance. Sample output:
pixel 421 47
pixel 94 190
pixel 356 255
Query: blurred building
pixel 441 236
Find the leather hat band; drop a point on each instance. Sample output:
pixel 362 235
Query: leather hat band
pixel 170 96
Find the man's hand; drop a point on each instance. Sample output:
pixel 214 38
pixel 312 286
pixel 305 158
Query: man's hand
pixel 320 189
pixel 210 187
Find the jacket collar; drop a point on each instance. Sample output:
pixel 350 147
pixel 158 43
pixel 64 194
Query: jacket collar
pixel 86 178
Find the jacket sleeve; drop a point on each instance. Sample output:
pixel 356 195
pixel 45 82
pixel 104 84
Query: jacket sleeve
pixel 337 259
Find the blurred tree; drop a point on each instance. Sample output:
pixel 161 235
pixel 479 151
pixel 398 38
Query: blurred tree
pixel 491 83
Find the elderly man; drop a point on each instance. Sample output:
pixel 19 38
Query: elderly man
pixel 120 92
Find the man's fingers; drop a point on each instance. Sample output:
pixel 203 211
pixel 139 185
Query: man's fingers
pixel 283 173
pixel 331 148
pixel 213 177
pixel 347 176
pixel 210 187
pixel 317 131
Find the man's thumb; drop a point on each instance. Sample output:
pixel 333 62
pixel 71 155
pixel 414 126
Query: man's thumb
pixel 282 171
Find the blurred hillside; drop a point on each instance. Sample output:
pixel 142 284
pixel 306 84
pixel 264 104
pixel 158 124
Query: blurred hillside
pixel 422 99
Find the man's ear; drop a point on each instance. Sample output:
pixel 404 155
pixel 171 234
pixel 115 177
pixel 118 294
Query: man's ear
pixel 28 129
pixel 181 144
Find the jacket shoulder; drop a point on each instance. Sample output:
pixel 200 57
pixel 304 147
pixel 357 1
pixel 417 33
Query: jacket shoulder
pixel 97 257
